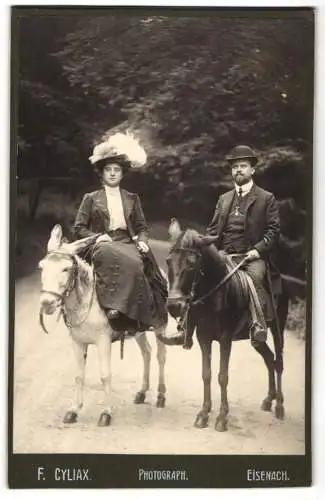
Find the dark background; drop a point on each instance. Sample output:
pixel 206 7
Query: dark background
pixel 190 86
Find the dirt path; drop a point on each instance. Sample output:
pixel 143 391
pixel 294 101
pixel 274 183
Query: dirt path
pixel 44 388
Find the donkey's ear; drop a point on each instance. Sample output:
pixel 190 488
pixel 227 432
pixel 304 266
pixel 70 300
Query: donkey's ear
pixel 55 239
pixel 174 229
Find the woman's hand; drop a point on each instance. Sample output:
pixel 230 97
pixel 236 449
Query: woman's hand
pixel 103 237
pixel 143 246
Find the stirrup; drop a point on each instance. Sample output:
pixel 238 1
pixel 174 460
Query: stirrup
pixel 122 344
pixel 258 333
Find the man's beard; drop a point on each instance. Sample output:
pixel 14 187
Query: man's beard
pixel 241 179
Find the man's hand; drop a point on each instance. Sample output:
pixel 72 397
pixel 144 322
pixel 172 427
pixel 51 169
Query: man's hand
pixel 103 237
pixel 204 240
pixel 252 255
pixel 143 246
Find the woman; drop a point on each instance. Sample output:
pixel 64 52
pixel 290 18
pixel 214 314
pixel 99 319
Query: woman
pixel 121 251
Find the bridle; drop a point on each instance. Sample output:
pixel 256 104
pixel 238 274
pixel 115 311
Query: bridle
pixel 68 289
pixel 72 277
pixel 190 297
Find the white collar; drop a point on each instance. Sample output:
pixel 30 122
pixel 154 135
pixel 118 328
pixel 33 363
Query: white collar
pixel 112 191
pixel 245 187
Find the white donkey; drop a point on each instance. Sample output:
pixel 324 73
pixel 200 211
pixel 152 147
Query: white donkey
pixel 68 284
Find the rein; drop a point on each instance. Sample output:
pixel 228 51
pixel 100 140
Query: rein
pixel 214 289
pixel 219 285
pixel 70 286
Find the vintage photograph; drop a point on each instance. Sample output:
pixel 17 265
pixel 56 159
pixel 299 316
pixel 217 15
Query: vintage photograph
pixel 161 194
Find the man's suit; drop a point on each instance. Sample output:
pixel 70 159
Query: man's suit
pixel 261 226
pixel 245 223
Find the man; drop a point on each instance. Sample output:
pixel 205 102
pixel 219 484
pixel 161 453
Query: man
pixel 245 221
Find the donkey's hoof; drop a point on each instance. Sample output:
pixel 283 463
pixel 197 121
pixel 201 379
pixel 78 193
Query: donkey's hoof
pixel 266 405
pixel 70 417
pixel 139 398
pixel 279 412
pixel 221 425
pixel 201 421
pixel 104 419
pixel 161 400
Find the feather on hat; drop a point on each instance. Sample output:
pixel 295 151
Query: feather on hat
pixel 120 145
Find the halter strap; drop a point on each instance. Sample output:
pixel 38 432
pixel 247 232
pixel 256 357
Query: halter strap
pixel 56 294
pixel 71 281
pixel 185 250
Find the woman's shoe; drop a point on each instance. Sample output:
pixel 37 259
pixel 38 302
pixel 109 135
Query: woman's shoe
pixel 112 314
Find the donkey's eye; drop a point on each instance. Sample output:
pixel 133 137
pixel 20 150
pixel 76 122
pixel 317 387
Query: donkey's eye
pixel 66 269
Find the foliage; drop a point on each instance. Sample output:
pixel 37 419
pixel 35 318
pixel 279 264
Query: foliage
pixel 189 88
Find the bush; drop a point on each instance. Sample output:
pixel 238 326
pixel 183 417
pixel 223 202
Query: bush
pixel 296 320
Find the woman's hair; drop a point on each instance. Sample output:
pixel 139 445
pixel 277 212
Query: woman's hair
pixel 120 160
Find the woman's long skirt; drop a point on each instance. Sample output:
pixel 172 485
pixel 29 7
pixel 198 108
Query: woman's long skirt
pixel 121 283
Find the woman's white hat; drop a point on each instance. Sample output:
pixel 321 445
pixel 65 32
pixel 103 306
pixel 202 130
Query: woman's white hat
pixel 120 145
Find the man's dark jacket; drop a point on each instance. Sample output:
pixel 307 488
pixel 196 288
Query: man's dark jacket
pixel 262 225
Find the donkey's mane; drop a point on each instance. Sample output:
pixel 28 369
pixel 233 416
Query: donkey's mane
pixel 187 239
pixel 85 270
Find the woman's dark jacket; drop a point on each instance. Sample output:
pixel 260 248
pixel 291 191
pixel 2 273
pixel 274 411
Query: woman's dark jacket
pixel 93 218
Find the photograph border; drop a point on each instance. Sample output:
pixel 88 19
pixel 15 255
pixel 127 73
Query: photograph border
pixel 24 469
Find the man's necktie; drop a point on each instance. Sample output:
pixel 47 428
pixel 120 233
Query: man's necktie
pixel 240 196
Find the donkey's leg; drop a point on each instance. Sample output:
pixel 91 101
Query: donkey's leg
pixel 202 418
pixel 263 349
pixel 104 348
pixel 279 407
pixel 278 344
pixel 161 358
pixel 225 350
pixel 146 356
pixel 283 308
pixel 80 352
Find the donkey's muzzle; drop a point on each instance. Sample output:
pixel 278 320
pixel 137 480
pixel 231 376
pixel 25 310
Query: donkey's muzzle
pixel 48 303
pixel 175 306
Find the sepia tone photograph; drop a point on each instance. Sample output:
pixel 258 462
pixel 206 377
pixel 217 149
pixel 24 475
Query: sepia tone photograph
pixel 161 191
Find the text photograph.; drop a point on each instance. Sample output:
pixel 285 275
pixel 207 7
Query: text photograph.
pixel 161 244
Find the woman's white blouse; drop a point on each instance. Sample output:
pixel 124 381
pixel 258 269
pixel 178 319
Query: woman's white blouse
pixel 115 208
